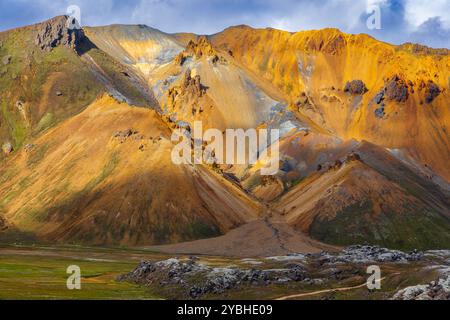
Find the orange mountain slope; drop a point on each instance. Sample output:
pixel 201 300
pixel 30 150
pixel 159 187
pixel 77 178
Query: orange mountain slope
pixel 105 177
pixel 413 113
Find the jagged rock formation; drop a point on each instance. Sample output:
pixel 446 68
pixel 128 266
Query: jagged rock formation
pixel 197 50
pixel 191 88
pixel 396 89
pixel 62 30
pixel 192 85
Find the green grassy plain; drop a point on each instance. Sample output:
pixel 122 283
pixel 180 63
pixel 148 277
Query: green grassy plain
pixel 40 273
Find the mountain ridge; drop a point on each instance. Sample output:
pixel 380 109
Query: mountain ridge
pixel 101 172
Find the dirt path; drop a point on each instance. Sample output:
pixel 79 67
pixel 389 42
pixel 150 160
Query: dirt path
pixel 307 294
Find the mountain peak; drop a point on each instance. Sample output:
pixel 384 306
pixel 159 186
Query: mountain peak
pixel 60 30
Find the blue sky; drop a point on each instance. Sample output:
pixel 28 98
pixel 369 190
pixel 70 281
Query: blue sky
pixel 422 21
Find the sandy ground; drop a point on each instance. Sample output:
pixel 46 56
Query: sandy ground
pixel 260 238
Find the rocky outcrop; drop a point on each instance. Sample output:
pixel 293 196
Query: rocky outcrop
pixel 355 87
pixel 3 224
pixel 197 50
pixel 435 290
pixel 190 87
pixel 124 135
pixel 58 31
pixel 195 279
pixel 379 112
pixel 208 279
pixel 29 147
pixel 201 48
pixel 7 148
pixel 352 157
pixel 368 254
pixel 6 59
pixel 432 91
pixel 396 89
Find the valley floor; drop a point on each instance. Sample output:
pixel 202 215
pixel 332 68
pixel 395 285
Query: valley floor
pixel 30 273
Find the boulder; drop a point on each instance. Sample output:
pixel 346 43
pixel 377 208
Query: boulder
pixel 435 290
pixel 6 59
pixel 353 157
pixel 379 113
pixel 29 147
pixel 431 91
pixel 396 89
pixel 355 87
pixel 7 148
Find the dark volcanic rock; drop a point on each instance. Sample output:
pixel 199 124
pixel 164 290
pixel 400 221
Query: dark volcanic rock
pixel 396 89
pixel 379 97
pixel 58 31
pixel 431 91
pixel 363 254
pixel 198 279
pixel 379 113
pixel 353 157
pixel 355 87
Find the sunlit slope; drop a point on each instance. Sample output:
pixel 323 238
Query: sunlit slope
pixel 232 98
pixel 312 68
pixel 92 180
pixel 208 86
pixel 50 73
pixel 140 46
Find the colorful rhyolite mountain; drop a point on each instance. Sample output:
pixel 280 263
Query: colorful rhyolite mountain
pixel 87 115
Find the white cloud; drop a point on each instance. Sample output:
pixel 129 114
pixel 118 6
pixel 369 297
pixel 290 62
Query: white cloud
pixel 419 11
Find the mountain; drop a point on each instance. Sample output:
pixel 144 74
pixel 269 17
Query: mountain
pixel 50 73
pixel 373 198
pixel 93 180
pixel 87 117
pixel 405 103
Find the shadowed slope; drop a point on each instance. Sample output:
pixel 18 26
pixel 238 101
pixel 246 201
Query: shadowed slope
pixel 370 201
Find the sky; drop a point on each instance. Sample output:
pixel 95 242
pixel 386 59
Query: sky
pixel 395 21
